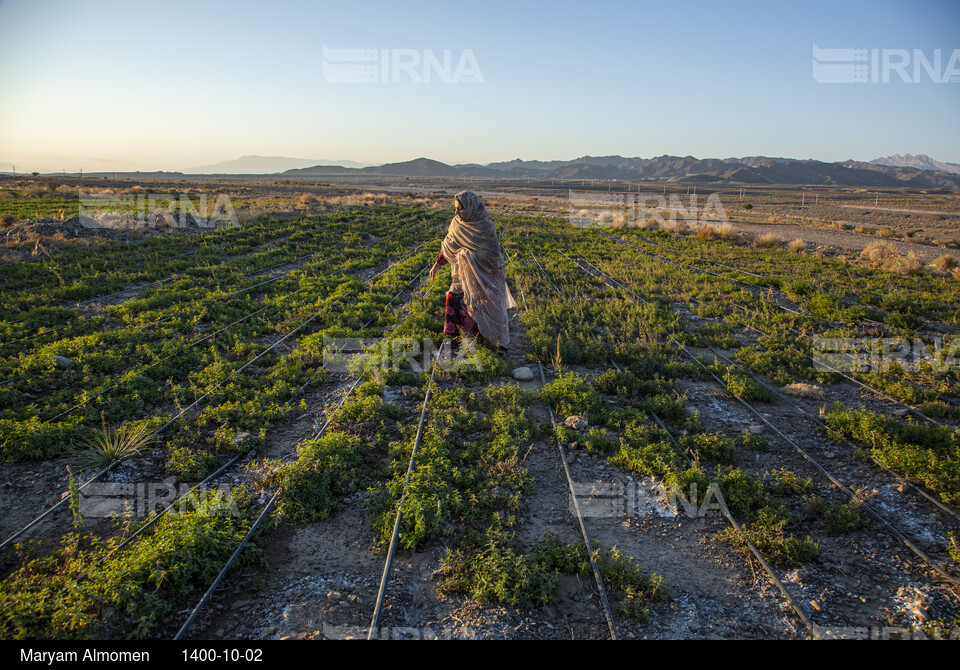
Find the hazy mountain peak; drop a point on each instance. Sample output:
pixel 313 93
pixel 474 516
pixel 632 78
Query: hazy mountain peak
pixel 266 165
pixel 918 162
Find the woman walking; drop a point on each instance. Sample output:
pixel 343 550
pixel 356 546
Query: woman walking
pixel 479 298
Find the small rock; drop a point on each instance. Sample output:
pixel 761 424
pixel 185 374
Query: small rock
pixel 901 412
pixel 523 374
pixel 242 437
pixel 63 361
pixel 756 429
pixel 576 422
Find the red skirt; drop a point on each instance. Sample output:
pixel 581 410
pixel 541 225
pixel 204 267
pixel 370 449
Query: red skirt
pixel 457 318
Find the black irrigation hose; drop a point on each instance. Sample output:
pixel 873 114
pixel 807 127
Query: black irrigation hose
pixel 189 345
pixel 381 593
pixel 192 288
pixel 953 581
pixel 723 506
pixel 943 506
pixel 54 508
pixel 607 611
pixel 828 367
pixel 266 510
pixel 243 543
pixel 916 488
pixel 236 458
pixel 184 411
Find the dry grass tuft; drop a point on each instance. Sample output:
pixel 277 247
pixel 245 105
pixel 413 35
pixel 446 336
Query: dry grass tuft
pixel 723 231
pixel 649 223
pixel 944 263
pixel 769 241
pixel 797 245
pixel 884 256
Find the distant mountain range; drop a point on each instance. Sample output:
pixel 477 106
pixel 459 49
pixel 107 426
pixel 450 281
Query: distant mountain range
pixel 266 165
pixel 748 170
pixel 920 162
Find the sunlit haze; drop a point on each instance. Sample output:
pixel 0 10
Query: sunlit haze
pixel 145 86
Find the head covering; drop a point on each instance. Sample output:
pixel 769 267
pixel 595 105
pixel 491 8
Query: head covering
pixel 472 247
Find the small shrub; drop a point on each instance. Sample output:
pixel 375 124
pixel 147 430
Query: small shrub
pixel 944 263
pixel 768 241
pixel 113 444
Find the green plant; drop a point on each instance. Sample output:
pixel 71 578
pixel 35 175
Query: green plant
pixel 112 444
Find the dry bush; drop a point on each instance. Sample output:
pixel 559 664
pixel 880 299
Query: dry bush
pixel 884 256
pixel 649 224
pixel 769 241
pixel 677 227
pixel 726 231
pixel 706 232
pixel 797 245
pixel 306 199
pixel 723 231
pixel 33 191
pixel 886 232
pixel 7 220
pixel 944 263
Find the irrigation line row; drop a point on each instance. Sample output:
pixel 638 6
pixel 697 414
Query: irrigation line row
pixel 232 461
pixel 723 506
pixel 192 288
pixel 598 579
pixel 953 581
pixel 253 529
pixel 184 411
pixel 919 490
pixel 197 287
pixel 190 345
pixel 827 366
pixel 381 593
pixel 276 494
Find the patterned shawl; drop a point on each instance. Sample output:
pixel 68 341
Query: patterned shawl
pixel 473 250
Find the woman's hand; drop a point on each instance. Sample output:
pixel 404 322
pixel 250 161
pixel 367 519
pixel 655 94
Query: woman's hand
pixel 434 270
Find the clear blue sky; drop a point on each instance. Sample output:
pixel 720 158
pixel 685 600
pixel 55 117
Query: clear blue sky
pixel 113 85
